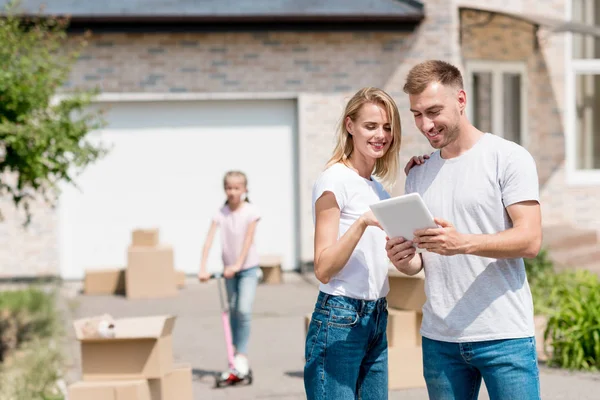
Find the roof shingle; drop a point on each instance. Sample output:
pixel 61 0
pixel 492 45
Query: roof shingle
pixel 409 10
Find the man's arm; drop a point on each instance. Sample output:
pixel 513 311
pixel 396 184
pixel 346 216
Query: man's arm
pixel 524 239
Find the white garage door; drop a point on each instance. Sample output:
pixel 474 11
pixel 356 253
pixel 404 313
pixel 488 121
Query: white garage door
pixel 165 169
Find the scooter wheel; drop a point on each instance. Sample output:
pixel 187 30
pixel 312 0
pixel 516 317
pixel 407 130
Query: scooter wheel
pixel 249 378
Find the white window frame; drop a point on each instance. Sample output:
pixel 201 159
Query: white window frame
pixel 573 67
pixel 497 68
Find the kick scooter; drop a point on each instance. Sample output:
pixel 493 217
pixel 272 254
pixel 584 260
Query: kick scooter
pixel 232 376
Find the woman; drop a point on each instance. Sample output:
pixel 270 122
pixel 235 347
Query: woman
pixel 346 345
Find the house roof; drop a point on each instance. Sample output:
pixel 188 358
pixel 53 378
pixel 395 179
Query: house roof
pixel 214 11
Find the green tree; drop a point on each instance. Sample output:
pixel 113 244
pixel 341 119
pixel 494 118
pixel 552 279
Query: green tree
pixel 42 133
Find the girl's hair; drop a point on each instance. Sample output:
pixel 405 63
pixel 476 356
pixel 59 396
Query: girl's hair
pixel 236 174
pixel 386 167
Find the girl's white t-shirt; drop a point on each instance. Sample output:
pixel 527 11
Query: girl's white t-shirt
pixel 234 225
pixel 365 274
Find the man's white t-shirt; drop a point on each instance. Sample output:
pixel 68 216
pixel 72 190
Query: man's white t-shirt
pixel 365 274
pixel 472 298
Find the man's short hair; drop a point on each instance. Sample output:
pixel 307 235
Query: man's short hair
pixel 421 75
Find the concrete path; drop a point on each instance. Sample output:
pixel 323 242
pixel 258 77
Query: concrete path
pixel 276 346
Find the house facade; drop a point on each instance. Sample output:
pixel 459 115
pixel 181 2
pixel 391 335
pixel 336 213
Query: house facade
pixel 191 93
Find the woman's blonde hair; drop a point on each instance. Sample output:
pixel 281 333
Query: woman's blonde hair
pixel 386 167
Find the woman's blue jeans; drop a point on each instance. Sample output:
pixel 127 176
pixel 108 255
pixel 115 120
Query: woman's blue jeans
pixel 346 349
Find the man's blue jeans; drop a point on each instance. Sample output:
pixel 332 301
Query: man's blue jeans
pixel 241 290
pixel 346 349
pixel 509 368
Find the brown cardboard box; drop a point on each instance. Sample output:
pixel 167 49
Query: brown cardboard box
pixel 405 368
pixel 406 292
pixel 142 348
pixel 180 279
pixel 270 266
pixel 150 272
pixel 403 328
pixel 307 319
pixel 110 390
pixel 542 347
pixel 104 281
pixel 175 385
pixel 145 237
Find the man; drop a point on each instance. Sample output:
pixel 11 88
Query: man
pixel 483 191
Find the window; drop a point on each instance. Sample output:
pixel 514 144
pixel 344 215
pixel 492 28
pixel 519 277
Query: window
pixel 586 12
pixel 583 97
pixel 496 98
pixel 587 121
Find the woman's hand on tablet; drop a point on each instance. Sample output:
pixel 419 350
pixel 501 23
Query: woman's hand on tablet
pixel 401 253
pixel 369 219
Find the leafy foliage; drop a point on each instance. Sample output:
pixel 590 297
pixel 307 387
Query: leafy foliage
pixel 29 334
pixel 42 135
pixel 540 273
pixel 571 301
pixel 574 323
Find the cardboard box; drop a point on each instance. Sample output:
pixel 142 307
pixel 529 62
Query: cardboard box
pixel 307 319
pixel 405 368
pixel 270 266
pixel 150 272
pixel 403 328
pixel 110 390
pixel 145 237
pixel 104 281
pixel 142 348
pixel 406 292
pixel 180 279
pixel 543 347
pixel 175 385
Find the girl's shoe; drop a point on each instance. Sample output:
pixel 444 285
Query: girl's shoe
pixel 241 365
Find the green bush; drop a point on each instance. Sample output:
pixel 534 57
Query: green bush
pixel 541 277
pixel 573 309
pixel 29 345
pixel 25 315
pixel 33 373
pixel 538 267
pixel 571 301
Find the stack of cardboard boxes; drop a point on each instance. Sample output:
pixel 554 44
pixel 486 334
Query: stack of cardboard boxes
pixel 150 271
pixel 135 363
pixel 405 303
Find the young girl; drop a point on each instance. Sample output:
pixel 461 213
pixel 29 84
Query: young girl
pixel 237 220
pixel 346 345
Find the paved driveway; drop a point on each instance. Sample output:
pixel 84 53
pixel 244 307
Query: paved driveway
pixel 277 341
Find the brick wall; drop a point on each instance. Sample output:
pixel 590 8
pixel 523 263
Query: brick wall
pixel 30 251
pixel 323 69
pixel 238 62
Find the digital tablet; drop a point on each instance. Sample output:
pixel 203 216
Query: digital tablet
pixel 401 216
